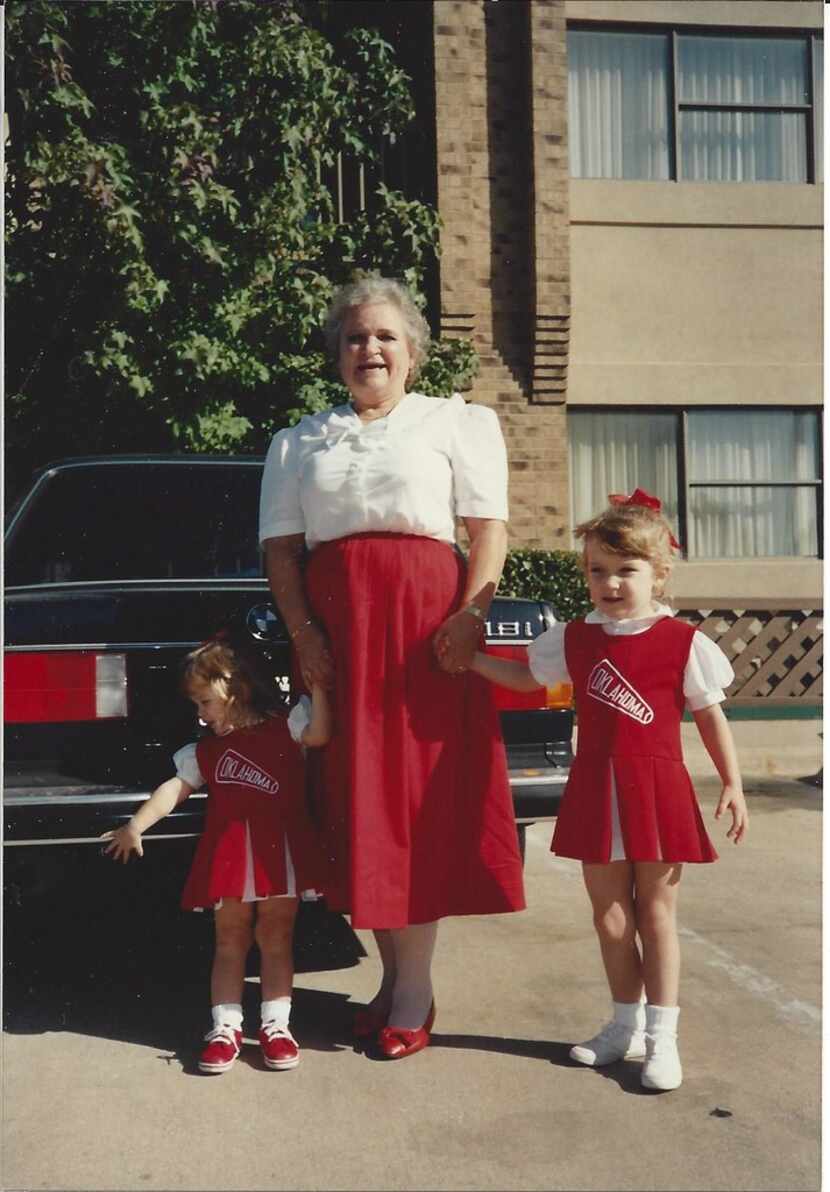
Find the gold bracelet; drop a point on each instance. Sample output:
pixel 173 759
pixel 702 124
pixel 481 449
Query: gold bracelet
pixel 300 628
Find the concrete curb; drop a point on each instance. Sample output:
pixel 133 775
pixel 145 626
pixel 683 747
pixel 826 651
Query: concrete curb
pixel 766 749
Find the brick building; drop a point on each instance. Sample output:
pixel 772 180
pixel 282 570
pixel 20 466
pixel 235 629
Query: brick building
pixel 631 198
pixel 502 172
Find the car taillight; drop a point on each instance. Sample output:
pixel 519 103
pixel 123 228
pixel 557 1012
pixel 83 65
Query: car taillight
pixel 560 696
pixel 48 686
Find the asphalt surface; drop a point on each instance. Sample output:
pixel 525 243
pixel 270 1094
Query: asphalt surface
pixel 105 1000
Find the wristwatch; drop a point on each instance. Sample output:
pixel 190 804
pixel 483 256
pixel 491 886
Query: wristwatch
pixel 476 611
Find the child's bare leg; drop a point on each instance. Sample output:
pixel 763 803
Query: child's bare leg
pixel 274 935
pixel 611 891
pixel 657 885
pixel 234 936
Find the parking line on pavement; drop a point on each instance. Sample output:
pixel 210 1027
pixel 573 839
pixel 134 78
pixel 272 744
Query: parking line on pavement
pixel 791 1009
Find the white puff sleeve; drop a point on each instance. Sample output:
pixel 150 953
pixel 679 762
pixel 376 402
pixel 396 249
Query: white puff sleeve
pixel 280 511
pixel 187 767
pixel 546 656
pixel 299 718
pixel 708 672
pixel 479 462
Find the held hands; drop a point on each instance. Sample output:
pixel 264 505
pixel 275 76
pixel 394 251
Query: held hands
pixel 315 660
pixel 732 800
pixel 123 841
pixel 456 641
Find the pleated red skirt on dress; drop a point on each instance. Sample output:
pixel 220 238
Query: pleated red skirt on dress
pixel 629 697
pixel 412 794
pixel 256 783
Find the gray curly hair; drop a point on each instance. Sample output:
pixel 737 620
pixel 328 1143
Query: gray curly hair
pixel 374 289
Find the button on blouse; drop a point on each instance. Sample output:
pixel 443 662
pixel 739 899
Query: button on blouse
pixel 427 462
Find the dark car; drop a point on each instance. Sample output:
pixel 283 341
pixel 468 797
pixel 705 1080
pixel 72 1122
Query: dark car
pixel 115 567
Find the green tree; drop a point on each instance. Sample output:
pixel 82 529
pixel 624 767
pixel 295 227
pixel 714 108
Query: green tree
pixel 171 243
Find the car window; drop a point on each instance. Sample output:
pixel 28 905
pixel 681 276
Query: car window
pixel 138 521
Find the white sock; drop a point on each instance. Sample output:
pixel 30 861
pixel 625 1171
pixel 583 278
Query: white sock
pixel 662 1019
pixel 412 998
pixel 278 1010
pixel 631 1015
pixel 227 1014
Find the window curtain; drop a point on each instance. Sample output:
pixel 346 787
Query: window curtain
pixel 752 447
pixel 618 452
pixel 618 107
pixel 742 146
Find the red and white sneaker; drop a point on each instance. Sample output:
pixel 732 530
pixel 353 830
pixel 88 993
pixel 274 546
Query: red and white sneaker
pixel 279 1047
pixel 223 1046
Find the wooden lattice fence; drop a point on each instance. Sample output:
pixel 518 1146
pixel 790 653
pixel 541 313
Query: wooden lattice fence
pixel 775 650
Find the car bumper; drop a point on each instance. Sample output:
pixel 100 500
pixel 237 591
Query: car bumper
pixel 52 814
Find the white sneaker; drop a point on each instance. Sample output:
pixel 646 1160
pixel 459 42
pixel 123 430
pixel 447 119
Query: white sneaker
pixel 662 1070
pixel 614 1042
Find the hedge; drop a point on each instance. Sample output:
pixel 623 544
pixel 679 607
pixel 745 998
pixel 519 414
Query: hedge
pixel 552 575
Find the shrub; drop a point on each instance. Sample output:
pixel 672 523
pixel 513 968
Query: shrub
pixel 552 575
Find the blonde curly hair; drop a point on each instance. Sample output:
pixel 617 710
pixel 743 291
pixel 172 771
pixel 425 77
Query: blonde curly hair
pixel 237 677
pixel 635 532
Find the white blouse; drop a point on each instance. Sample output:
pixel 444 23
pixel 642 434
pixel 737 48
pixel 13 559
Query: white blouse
pixel 430 460
pixel 708 670
pixel 187 766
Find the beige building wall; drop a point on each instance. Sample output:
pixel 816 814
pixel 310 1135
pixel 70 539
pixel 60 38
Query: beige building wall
pixel 695 293
pixel 700 293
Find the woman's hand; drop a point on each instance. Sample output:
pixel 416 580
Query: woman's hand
pixel 316 664
pixel 123 841
pixel 456 641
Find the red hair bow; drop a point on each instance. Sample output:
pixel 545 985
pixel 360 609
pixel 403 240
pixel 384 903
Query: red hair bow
pixel 641 497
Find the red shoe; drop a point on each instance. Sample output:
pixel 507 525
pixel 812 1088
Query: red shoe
pixel 367 1022
pixel 396 1042
pixel 223 1046
pixel 279 1047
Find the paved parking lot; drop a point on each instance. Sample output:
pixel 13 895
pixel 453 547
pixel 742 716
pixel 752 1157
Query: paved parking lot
pixel 106 997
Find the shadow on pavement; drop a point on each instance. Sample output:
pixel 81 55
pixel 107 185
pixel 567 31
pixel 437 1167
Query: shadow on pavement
pixel 108 952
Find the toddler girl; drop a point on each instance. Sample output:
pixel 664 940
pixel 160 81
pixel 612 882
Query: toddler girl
pixel 258 848
pixel 629 811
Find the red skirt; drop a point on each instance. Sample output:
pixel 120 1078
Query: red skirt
pixel 413 797
pixel 660 819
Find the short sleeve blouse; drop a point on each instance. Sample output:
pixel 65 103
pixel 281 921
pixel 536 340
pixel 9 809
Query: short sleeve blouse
pixel 415 471
pixel 708 670
pixel 187 767
pixel 299 719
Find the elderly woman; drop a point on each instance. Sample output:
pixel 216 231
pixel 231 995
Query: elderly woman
pixel 357 519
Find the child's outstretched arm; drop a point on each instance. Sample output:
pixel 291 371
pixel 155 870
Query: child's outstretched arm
pixel 507 672
pixel 127 839
pixel 717 738
pixel 318 730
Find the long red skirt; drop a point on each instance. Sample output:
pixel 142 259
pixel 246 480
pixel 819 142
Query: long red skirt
pixel 413 800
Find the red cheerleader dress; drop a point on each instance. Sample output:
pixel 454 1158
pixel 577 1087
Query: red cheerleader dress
pixel 255 781
pixel 629 694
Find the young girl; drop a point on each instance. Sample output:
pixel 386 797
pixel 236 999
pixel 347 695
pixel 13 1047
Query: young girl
pixel 629 811
pixel 258 845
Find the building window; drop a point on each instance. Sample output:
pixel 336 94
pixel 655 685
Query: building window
pixel 735 484
pixel 705 107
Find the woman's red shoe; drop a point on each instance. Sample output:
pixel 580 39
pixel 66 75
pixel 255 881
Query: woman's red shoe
pixel 368 1021
pixel 396 1042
